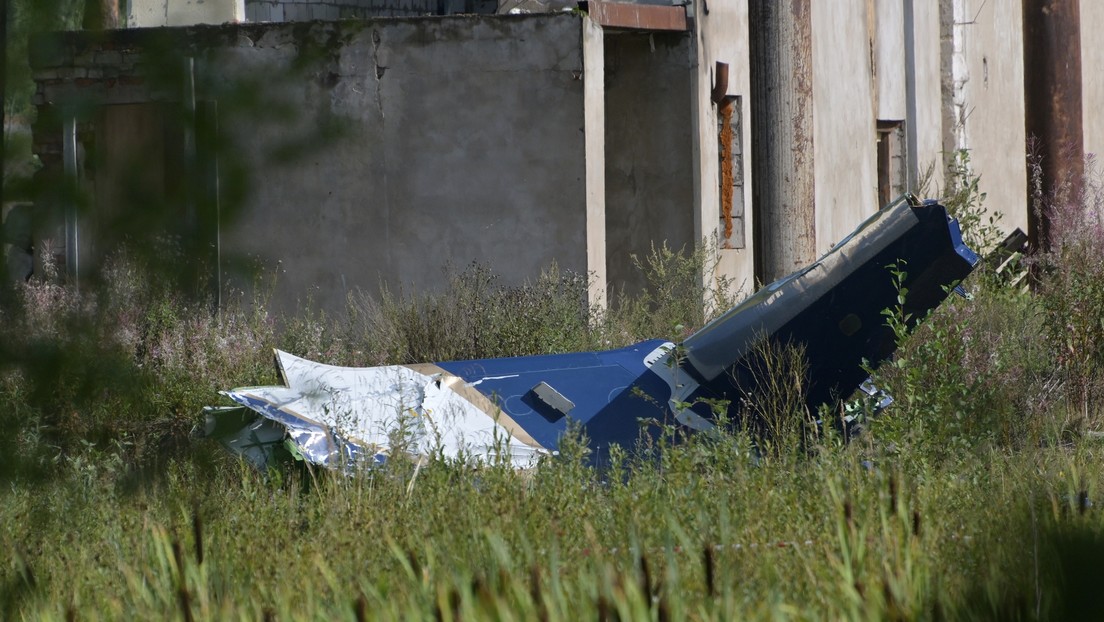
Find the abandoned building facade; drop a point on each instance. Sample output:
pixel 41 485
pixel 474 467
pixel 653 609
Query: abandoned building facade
pixel 422 133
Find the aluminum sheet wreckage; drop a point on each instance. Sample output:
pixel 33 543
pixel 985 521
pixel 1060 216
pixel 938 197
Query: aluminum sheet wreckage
pixel 519 408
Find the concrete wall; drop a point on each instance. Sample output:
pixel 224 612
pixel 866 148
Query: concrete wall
pixel 984 100
pixel 907 64
pixel 889 59
pixel 844 148
pixel 964 59
pixel 721 36
pixel 925 119
pixel 385 150
pixel 154 13
pixel 1092 82
pixel 649 175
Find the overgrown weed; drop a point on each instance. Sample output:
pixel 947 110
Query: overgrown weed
pixel 1070 279
pixel 680 294
pixel 774 402
pixel 476 316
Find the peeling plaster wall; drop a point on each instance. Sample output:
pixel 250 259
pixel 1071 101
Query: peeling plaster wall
pixel 843 120
pixel 385 150
pixel 649 176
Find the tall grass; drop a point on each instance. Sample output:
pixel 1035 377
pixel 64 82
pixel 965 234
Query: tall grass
pixel 976 495
pixel 708 535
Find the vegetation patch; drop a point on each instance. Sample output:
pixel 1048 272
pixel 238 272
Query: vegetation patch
pixel 976 494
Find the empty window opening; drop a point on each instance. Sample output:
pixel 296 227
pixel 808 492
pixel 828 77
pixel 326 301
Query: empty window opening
pixel 892 169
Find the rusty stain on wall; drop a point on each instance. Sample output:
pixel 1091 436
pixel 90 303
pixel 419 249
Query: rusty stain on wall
pixel 727 182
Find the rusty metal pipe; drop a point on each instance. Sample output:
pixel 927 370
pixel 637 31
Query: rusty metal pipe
pixel 1052 105
pixel 720 83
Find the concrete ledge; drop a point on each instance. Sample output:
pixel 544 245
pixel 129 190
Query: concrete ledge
pixel 635 16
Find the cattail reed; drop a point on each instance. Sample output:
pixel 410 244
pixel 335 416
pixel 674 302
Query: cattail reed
pixel 29 579
pixel 178 557
pixel 710 570
pixel 536 594
pixel 185 600
pixel 482 591
pixel 360 608
pixel 645 577
pixel 197 533
pixel 455 601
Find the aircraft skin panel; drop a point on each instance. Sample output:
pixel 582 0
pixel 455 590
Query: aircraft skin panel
pixel 838 318
pixel 338 415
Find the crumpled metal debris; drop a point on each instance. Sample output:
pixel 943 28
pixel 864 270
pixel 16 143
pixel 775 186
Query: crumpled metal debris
pixel 348 417
pixel 518 409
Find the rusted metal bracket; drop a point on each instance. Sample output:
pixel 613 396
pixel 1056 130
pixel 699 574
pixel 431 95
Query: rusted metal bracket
pixel 636 16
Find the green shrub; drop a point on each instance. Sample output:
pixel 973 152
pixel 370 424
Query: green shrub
pixel 977 372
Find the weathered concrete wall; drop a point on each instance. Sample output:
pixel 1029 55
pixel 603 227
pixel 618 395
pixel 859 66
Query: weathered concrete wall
pixel 984 100
pixel 925 118
pixel 465 141
pixel 384 150
pixel 721 36
pixel 1092 81
pixel 889 65
pixel 844 145
pixel 906 70
pixel 154 13
pixel 649 176
pixel 966 93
